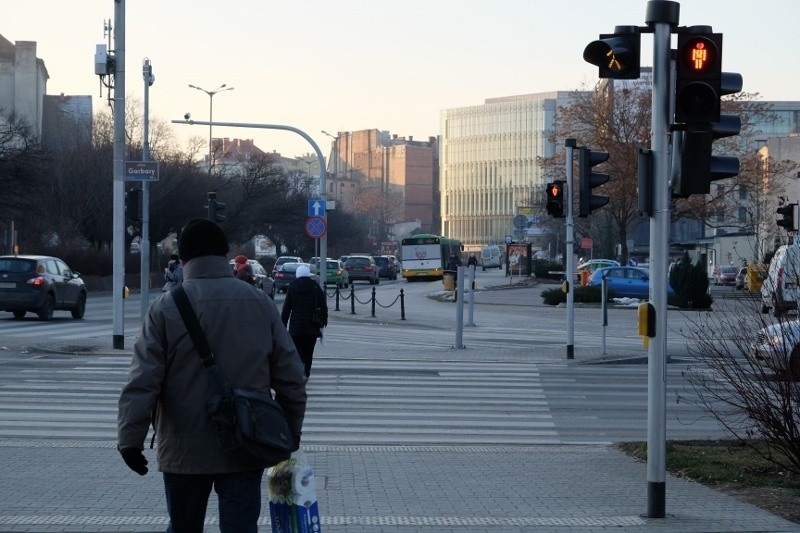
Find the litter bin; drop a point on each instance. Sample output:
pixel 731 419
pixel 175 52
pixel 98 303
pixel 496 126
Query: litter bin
pixel 756 273
pixel 449 280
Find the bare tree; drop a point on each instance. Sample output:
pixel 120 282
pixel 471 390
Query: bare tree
pixel 755 395
pixel 615 120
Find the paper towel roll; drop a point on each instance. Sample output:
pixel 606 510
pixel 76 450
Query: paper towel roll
pixel 304 500
pixel 303 480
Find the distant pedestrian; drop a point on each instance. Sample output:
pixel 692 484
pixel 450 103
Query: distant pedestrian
pixel 303 297
pixel 173 273
pixel 168 386
pixel 472 261
pixel 453 263
pixel 243 270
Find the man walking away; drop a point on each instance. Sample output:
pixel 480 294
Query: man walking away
pixel 169 386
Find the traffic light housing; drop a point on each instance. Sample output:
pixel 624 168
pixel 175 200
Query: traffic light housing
pixel 787 217
pixel 214 207
pixel 698 77
pixel 555 199
pixel 588 180
pixel 133 204
pixel 617 55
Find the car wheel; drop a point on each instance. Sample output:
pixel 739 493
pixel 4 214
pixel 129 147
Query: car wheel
pixel 80 309
pixel 377 281
pixel 19 315
pixel 46 311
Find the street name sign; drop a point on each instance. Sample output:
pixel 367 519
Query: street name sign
pixel 141 171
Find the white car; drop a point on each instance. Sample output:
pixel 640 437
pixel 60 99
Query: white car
pixel 777 347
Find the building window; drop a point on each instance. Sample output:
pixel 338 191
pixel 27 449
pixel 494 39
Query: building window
pixel 743 192
pixel 742 215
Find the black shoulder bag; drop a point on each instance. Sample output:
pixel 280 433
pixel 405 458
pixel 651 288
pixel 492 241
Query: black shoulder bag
pixel 246 421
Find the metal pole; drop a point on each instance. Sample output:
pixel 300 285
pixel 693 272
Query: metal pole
pixel 604 307
pixel 459 307
pixel 471 290
pixel 570 145
pixel 210 137
pixel 323 175
pixel 118 239
pixel 661 15
pixel 144 251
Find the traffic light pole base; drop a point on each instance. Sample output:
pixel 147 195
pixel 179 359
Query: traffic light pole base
pixel 570 351
pixel 119 342
pixel 656 499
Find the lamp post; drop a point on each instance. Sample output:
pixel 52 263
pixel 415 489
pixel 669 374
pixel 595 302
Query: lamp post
pixel 335 161
pixel 222 88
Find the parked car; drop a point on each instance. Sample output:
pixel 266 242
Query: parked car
pixel 335 274
pixel 286 274
pixel 40 284
pixel 343 258
pixel 387 267
pixel 779 290
pixel 593 264
pixel 777 347
pixel 625 281
pixel 285 259
pixel 262 281
pixel 725 275
pixel 362 267
pixel 741 279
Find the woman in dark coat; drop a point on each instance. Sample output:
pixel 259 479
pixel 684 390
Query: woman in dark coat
pixel 302 297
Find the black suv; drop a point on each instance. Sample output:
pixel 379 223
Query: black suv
pixel 41 284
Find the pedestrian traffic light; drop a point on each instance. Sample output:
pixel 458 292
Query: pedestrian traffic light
pixel 589 180
pixel 555 199
pixel 133 204
pixel 699 86
pixel 787 217
pixel 617 55
pixel 214 207
pixel 698 76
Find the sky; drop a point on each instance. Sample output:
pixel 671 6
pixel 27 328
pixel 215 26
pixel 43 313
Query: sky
pixel 349 65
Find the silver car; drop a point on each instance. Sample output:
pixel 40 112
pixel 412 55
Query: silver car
pixel 777 347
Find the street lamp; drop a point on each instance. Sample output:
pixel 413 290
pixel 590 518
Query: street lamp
pixel 220 89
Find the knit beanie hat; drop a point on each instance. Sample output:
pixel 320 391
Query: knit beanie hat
pixel 200 237
pixel 240 259
pixel 302 272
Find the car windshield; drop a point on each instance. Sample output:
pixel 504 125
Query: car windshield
pixel 290 267
pixel 381 260
pixel 333 265
pixel 358 261
pixel 728 270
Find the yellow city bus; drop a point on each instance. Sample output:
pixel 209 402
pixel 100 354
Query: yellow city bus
pixel 425 256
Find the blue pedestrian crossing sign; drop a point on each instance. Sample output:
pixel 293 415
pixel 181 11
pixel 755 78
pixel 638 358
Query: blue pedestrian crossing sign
pixel 316 208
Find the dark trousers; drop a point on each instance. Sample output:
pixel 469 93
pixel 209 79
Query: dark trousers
pixel 239 496
pixel 305 347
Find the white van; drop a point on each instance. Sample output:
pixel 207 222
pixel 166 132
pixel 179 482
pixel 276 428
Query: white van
pixel 781 288
pixel 490 257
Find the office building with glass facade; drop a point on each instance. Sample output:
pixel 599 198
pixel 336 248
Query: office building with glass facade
pixel 488 164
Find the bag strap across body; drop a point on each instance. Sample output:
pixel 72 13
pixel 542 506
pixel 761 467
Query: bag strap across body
pixel 193 326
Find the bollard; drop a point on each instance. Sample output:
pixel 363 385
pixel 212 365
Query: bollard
pixel 337 298
pixel 402 305
pixel 373 302
pixel 352 299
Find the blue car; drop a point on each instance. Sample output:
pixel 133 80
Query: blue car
pixel 625 281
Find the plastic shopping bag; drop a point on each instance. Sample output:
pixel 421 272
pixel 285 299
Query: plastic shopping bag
pixel 293 506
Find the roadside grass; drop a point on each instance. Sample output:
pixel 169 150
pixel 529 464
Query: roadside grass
pixel 731 467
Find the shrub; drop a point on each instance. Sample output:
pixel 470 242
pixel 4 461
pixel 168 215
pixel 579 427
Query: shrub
pixel 543 267
pixel 582 294
pixel 690 283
